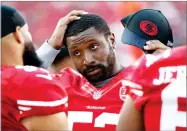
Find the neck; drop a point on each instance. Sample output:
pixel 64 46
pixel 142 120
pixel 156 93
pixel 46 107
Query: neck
pixel 54 69
pixel 116 69
pixel 11 58
pixel 10 61
pixel 11 51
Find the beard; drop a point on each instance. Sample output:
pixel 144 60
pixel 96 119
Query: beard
pixel 30 57
pixel 105 71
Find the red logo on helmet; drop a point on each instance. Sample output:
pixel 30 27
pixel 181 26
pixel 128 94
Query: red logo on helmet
pixel 148 28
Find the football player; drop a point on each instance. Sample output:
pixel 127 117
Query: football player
pixel 32 98
pixel 156 94
pixel 96 97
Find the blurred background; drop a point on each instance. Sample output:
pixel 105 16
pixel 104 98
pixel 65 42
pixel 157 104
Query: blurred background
pixel 42 18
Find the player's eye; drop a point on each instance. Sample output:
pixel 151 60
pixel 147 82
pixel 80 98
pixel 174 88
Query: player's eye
pixel 94 46
pixel 76 53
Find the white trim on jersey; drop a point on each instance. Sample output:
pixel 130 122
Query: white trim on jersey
pixel 22 108
pixel 43 103
pixel 87 88
pixel 131 84
pixel 137 92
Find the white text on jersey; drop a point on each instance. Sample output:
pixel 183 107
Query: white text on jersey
pixel 96 107
pixel 166 74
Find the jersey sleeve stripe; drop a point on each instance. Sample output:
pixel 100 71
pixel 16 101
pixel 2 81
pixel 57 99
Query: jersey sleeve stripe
pixel 22 108
pixel 137 92
pixel 131 84
pixel 43 103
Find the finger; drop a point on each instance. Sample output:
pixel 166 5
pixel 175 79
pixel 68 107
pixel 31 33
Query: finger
pixel 159 51
pixel 72 18
pixel 77 12
pixel 150 46
pixel 67 19
pixel 154 45
pixel 158 44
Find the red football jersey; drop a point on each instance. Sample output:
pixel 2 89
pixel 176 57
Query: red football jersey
pixel 29 91
pixel 158 87
pixel 91 108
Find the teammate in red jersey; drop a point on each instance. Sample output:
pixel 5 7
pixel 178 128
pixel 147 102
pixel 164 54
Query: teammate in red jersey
pixel 32 99
pixel 156 94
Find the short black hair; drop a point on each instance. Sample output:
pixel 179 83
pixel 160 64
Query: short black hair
pixel 85 22
pixel 61 55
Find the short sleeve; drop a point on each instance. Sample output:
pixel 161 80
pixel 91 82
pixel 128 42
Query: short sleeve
pixel 135 85
pixel 142 76
pixel 40 96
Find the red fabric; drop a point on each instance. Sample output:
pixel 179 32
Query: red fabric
pixel 155 91
pixel 94 108
pixel 23 85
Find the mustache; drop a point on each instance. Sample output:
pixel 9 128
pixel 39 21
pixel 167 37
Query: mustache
pixel 92 67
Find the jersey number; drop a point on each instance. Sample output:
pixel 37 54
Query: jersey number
pixel 86 117
pixel 45 74
pixel 171 114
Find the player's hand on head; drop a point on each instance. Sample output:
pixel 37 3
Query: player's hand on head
pixel 156 45
pixel 73 15
pixel 57 37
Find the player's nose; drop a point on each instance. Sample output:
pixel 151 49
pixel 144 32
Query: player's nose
pixel 88 58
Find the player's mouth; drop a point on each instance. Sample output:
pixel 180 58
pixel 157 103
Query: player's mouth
pixel 93 71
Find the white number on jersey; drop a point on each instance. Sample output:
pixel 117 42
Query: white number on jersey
pixel 170 116
pixel 86 117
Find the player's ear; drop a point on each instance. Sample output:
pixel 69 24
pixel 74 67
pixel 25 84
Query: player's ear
pixel 112 40
pixel 18 35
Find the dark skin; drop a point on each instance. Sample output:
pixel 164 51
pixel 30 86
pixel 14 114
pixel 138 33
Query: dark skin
pixel 130 118
pixel 93 54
